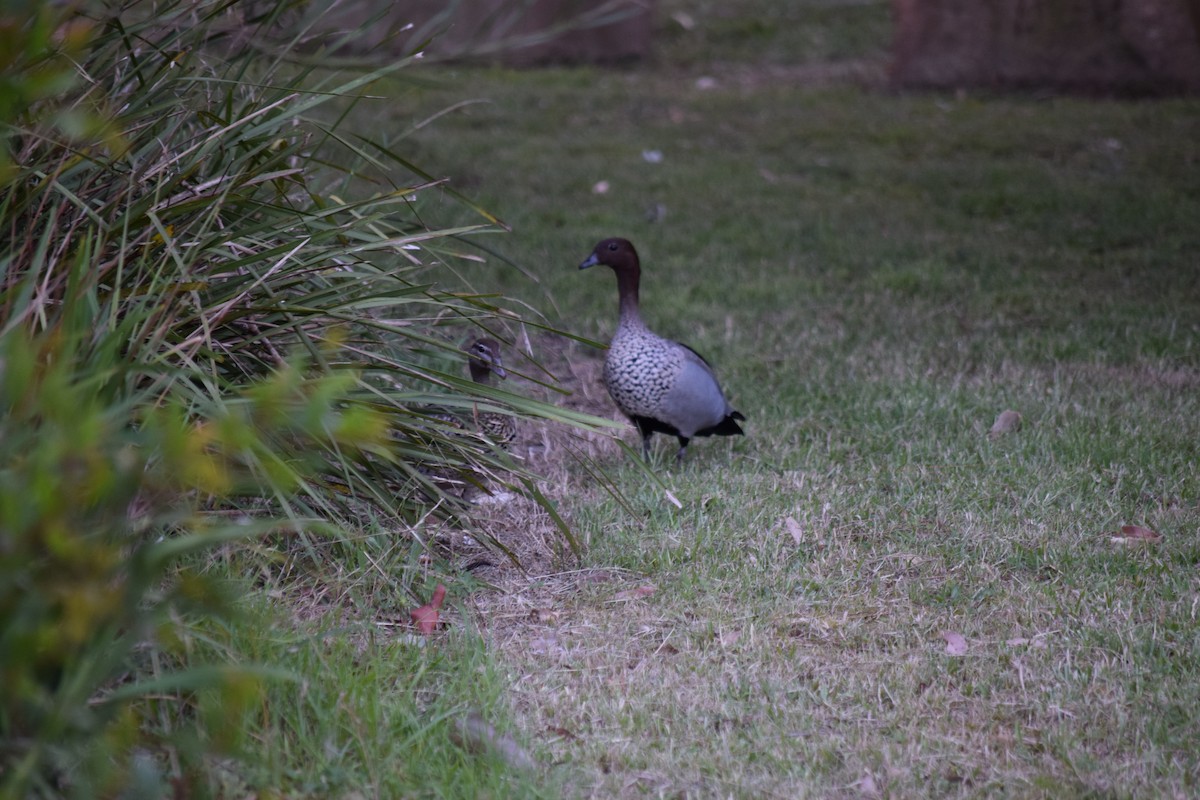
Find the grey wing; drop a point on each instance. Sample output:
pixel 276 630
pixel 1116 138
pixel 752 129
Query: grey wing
pixel 695 401
pixel 696 353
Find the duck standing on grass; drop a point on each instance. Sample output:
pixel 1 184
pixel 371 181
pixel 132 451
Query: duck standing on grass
pixel 661 385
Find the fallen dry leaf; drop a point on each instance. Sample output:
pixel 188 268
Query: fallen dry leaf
pixel 637 593
pixel 425 618
pixel 684 19
pixel 728 638
pixel 1133 534
pixel 474 734
pixel 1007 422
pixel 546 646
pixel 866 785
pixel 795 530
pixel 956 645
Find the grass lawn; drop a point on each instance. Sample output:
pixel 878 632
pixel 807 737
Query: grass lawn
pixel 868 595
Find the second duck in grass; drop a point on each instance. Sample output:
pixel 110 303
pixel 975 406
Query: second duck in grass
pixel 661 385
pixel 484 363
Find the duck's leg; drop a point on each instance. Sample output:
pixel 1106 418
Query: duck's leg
pixel 683 443
pixel 645 429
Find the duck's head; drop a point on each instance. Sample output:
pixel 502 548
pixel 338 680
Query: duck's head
pixel 616 253
pixel 485 358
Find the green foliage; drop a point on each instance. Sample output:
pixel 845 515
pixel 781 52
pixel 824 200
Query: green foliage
pixel 101 503
pixel 39 47
pixel 221 317
pixel 368 712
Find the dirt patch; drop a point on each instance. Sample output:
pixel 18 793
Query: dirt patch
pixel 526 541
pixel 512 545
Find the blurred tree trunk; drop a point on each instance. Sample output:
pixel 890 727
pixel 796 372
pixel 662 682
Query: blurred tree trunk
pixel 1105 46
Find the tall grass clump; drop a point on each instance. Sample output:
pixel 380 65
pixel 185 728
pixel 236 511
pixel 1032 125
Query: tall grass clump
pixel 220 318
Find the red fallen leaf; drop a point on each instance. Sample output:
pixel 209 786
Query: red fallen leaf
pixel 636 594
pixel 956 645
pixel 1136 533
pixel 425 618
pixel 558 730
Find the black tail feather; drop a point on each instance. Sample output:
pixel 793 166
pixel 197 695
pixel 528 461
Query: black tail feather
pixel 726 427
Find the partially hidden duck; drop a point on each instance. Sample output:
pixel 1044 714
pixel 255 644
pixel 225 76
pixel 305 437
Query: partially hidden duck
pixel 484 362
pixel 661 385
pixel 485 365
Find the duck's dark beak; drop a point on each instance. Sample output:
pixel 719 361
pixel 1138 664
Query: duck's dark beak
pixel 498 371
pixel 590 262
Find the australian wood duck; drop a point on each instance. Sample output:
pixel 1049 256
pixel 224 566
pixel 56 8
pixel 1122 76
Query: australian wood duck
pixel 661 385
pixel 485 366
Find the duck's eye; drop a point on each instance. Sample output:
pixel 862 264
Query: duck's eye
pixel 612 246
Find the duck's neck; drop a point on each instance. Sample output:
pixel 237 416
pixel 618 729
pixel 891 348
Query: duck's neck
pixel 627 292
pixel 480 373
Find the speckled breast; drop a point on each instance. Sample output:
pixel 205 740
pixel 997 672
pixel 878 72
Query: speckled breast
pixel 638 373
pixel 498 427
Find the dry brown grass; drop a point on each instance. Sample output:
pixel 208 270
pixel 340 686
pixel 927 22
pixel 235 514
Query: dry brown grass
pixel 810 661
pixel 552 451
pixel 877 277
